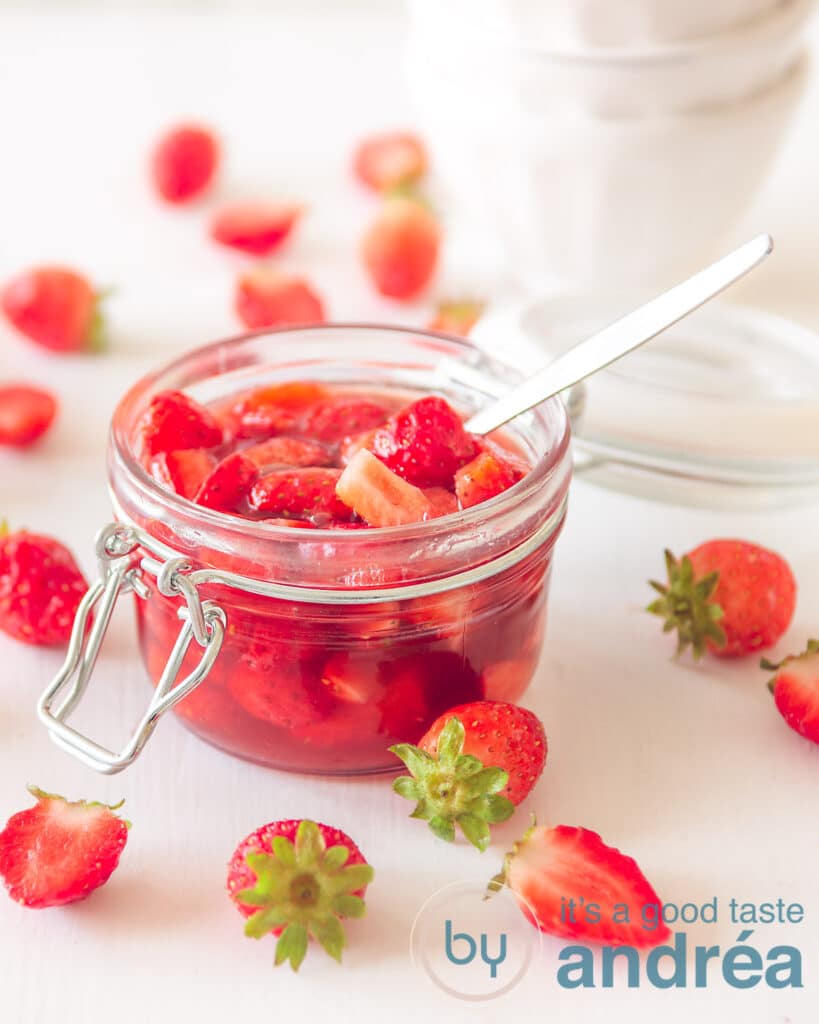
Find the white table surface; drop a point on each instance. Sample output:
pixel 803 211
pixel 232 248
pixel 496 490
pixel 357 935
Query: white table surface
pixel 688 769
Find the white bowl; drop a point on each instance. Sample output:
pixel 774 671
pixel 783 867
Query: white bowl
pixel 593 200
pixel 490 69
pixel 579 24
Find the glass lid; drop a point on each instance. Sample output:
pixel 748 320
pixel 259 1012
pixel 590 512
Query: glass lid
pixel 720 410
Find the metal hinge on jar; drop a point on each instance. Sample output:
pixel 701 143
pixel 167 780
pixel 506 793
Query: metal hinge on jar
pixel 203 623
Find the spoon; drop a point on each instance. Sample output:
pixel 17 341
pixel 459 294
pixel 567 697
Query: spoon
pixel 623 336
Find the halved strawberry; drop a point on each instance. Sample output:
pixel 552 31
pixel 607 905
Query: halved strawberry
pixel 456 318
pixel 795 688
pixel 378 495
pixel 387 161
pixel 299 493
pixel 337 418
pixel 288 451
pixel 58 852
pixel 184 471
pixel 483 478
pixel 229 483
pixel 548 867
pixel 425 443
pixel 297 880
pixel 268 297
pixel 184 162
pixel 26 413
pixel 400 248
pixel 255 227
pixel 173 422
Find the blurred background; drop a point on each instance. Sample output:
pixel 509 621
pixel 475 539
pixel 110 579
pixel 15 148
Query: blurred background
pixel 587 146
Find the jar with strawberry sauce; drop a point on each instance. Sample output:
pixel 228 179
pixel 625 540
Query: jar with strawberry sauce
pixel 313 646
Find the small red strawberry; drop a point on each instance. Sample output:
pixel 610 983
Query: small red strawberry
pixel 425 443
pixel 729 596
pixel 443 501
pixel 384 162
pixel 298 880
pixel 26 413
pixel 288 451
pixel 548 867
pixel 55 307
pixel 229 483
pixel 184 162
pixel 184 471
pixel 379 496
pixel 338 418
pixel 456 318
pixel 483 478
pixel 400 248
pixel 795 687
pixel 58 851
pixel 257 228
pixel 266 297
pixel 40 588
pixel 174 422
pixel 298 493
pixel 474 764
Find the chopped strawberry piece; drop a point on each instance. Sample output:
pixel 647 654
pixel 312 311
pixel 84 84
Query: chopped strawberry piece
pixel 483 478
pixel 174 421
pixel 378 495
pixel 288 451
pixel 351 445
pixel 229 483
pixel 400 248
pixel 443 501
pixel 256 228
pixel 59 852
pixel 40 588
pixel 279 690
pixel 270 298
pixel 349 679
pixel 277 409
pixel 337 418
pixel 184 162
pixel 456 318
pixel 183 471
pixel 386 161
pixel 26 413
pixel 425 443
pixel 299 524
pixel 299 493
pixel 56 307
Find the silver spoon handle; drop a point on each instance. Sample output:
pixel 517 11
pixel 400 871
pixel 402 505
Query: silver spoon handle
pixel 623 336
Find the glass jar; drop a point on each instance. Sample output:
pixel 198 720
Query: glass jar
pixel 314 649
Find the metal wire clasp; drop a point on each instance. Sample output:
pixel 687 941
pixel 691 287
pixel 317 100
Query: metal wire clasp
pixel 202 622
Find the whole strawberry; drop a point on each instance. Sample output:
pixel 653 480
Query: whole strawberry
pixel 472 767
pixel 297 880
pixel 400 248
pixel 59 851
pixel 391 160
pixel 40 588
pixel 557 872
pixel 56 307
pixel 184 162
pixel 795 687
pixel 730 597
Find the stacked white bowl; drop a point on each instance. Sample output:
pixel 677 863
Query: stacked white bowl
pixel 606 141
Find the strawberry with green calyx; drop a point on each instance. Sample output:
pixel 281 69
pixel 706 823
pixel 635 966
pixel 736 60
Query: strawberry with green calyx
pixel 729 597
pixel 452 787
pixel 297 880
pixel 795 688
pixel 556 873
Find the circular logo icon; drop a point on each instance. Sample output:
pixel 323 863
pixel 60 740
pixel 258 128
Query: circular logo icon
pixel 472 947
